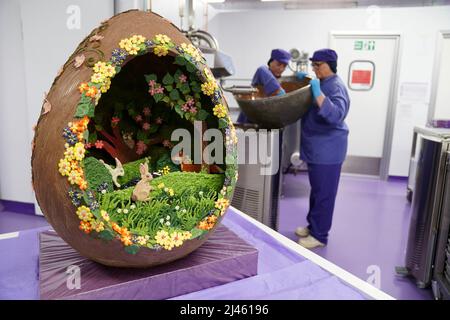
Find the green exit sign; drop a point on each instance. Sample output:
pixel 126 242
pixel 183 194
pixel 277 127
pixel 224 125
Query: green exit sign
pixel 367 45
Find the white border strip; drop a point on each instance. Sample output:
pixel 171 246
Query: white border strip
pixel 344 275
pixel 10 235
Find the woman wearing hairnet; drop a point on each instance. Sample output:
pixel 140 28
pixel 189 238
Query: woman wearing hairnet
pixel 267 76
pixel 323 146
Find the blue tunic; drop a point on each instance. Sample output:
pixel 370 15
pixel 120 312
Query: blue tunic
pixel 324 133
pixel 263 76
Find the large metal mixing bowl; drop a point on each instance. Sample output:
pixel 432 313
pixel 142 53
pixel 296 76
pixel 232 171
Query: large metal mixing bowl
pixel 277 111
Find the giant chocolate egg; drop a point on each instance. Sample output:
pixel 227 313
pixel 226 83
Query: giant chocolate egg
pixel 110 170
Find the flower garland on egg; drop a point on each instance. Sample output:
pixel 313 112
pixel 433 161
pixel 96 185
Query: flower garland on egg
pixel 94 220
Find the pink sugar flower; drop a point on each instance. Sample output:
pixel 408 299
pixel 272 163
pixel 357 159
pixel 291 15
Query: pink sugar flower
pixel 140 147
pixel 146 126
pixel 147 111
pixel 185 107
pixel 115 121
pixel 99 144
pixel 166 143
pixel 190 102
pixel 182 78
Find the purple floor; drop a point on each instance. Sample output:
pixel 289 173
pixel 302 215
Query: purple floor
pixel 369 233
pixel 13 221
pixel 368 237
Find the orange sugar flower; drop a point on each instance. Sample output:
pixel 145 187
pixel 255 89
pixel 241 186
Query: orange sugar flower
pixel 83 87
pixel 83 185
pixel 203 225
pixel 92 92
pixel 212 219
pixel 126 240
pixel 85 226
pixel 115 227
pixel 124 232
pixel 85 121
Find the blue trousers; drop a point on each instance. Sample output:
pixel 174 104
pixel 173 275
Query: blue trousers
pixel 242 118
pixel 324 181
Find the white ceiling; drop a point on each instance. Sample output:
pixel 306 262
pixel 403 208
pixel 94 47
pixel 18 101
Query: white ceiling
pixel 321 4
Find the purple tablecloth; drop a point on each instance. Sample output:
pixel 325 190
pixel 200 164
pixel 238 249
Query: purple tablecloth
pixel 282 273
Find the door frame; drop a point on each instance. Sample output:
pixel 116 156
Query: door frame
pixel 441 36
pixel 393 91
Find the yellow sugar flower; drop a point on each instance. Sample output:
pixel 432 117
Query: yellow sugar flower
pixel 162 39
pixel 222 204
pixel 133 50
pixel 124 44
pixel 192 51
pixel 169 244
pixel 209 76
pixel 131 45
pixel 84 213
pixel 79 151
pixel 220 111
pixel 109 71
pixel 64 167
pixel 98 226
pixel 69 154
pixel 73 165
pixel 137 39
pixel 161 185
pixel 161 237
pixel 106 85
pixel 209 87
pixel 73 177
pixel 99 67
pixel 105 215
pixel 166 170
pixel 97 78
pixel 161 50
pixel 177 239
pixel 141 240
pixel 186 235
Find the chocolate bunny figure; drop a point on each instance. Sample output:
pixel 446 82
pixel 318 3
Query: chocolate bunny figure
pixel 141 191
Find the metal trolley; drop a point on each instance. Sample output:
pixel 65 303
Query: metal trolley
pixel 426 257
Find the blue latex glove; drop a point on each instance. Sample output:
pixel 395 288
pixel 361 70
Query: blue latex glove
pixel 281 92
pixel 301 75
pixel 315 88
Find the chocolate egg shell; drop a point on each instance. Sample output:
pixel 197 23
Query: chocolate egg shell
pixel 50 186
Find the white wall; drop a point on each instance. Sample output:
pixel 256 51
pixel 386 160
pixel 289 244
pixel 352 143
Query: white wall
pixel 15 138
pixel 37 43
pixel 250 36
pixel 169 9
pixel 441 103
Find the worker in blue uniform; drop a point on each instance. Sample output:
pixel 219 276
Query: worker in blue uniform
pixel 323 145
pixel 267 77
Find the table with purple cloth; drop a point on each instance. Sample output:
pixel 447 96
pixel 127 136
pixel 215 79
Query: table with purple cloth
pixel 282 272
